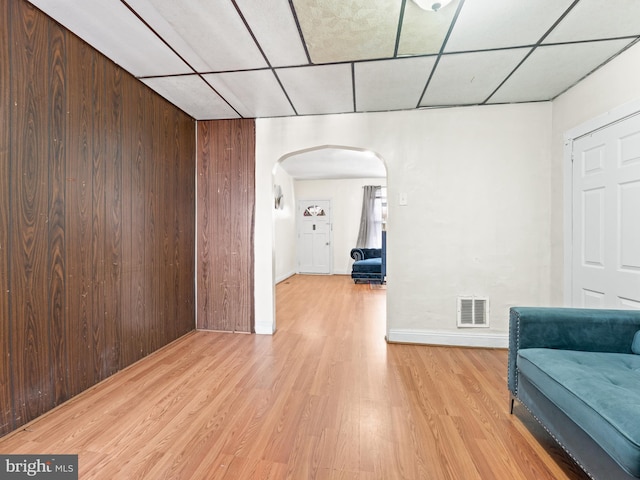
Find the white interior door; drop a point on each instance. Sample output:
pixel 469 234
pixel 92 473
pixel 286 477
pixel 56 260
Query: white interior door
pixel 314 236
pixel 606 217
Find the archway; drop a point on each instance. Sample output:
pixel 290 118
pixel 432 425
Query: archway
pixel 328 171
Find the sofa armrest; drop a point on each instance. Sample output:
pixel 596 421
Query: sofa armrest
pixel 357 254
pixel 591 330
pixel 364 253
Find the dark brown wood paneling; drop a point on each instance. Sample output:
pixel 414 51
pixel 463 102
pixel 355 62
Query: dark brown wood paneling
pixel 226 167
pixel 186 227
pixel 6 411
pixel 152 238
pixel 112 257
pixel 138 222
pixel 98 123
pixel 56 219
pixel 97 217
pixel 204 282
pixel 126 258
pixel 32 381
pixel 79 217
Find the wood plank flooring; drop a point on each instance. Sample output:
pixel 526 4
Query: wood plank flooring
pixel 324 398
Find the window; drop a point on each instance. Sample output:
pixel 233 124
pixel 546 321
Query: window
pixel 380 208
pixel 314 211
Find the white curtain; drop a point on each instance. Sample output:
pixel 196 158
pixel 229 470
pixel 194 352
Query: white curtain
pixel 370 233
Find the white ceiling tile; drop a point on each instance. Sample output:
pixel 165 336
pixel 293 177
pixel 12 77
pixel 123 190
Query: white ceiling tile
pixel 213 36
pixel 113 30
pixel 592 19
pixel 550 70
pixel 276 30
pixel 337 31
pixel 391 84
pixel 253 94
pixel 503 23
pixel 423 31
pixel 192 94
pixel 469 78
pixel 319 89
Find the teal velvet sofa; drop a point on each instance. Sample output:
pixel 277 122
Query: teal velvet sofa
pixel 578 372
pixel 370 265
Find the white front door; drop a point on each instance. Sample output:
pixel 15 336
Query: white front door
pixel 606 217
pixel 314 236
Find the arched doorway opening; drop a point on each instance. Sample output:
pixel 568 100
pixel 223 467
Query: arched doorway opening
pixel 328 172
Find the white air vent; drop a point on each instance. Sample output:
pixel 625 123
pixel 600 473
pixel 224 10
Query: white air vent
pixel 473 312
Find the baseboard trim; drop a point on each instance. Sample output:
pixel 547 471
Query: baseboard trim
pixel 264 329
pixel 283 277
pixel 423 337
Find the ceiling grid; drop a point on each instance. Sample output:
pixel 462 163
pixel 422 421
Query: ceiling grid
pixel 218 59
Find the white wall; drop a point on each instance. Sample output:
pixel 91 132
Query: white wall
pixel 284 225
pixel 616 84
pixel 477 181
pixel 346 208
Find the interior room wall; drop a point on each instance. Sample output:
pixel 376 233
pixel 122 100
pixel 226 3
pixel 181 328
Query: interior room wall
pixel 346 208
pixel 284 225
pixel 97 224
pixel 476 220
pixel 614 85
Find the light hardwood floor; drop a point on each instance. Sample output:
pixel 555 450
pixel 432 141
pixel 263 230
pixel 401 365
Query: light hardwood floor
pixel 325 397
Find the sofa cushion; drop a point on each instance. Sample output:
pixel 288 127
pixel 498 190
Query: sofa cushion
pixel 635 345
pixel 599 391
pixel 370 265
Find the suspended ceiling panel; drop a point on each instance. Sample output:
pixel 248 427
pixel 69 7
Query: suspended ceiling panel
pixel 322 89
pixel 553 68
pixel 193 95
pixel 594 19
pixel 402 80
pixel 491 24
pixel 112 29
pixel 470 78
pixel 423 31
pixel 305 57
pixel 216 36
pixel 252 94
pixel 339 31
pixel 276 31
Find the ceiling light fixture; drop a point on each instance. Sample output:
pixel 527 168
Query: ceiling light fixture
pixel 431 5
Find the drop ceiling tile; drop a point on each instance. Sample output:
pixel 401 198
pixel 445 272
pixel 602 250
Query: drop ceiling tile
pixel 424 31
pixel 318 89
pixel 275 28
pixel 192 94
pixel 594 19
pixel 113 30
pixel 337 31
pixel 253 94
pixel 503 23
pixel 469 78
pixel 213 37
pixel 550 70
pixel 391 84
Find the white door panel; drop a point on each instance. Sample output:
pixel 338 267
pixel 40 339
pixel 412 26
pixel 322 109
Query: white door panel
pixel 606 217
pixel 314 236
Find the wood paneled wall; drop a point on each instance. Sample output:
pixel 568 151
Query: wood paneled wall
pixel 226 205
pixel 97 222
